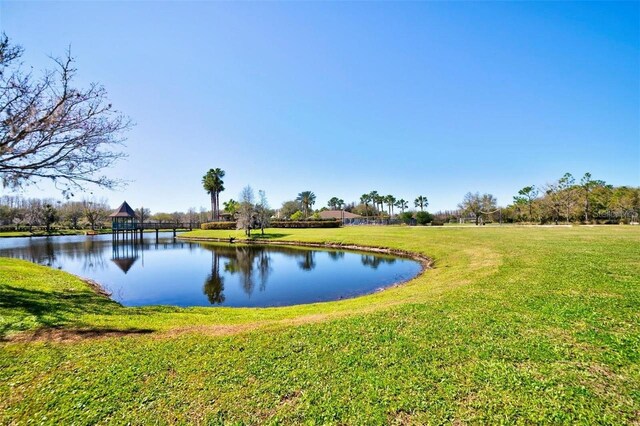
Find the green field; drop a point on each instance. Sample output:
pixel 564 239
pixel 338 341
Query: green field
pixel 512 325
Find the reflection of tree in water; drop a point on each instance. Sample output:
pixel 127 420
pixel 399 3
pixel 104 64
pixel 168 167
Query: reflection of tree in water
pixel 92 256
pixel 335 255
pixel 243 263
pixel 214 285
pixel 38 250
pixel 308 260
pixel 375 261
pixel 49 253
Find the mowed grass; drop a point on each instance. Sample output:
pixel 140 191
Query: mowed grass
pixel 513 325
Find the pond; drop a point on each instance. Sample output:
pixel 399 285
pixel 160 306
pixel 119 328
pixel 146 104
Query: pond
pixel 181 273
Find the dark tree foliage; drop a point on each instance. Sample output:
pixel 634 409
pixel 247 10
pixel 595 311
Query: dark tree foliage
pixel 50 129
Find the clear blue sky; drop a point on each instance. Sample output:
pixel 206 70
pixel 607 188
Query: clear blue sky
pixel 343 98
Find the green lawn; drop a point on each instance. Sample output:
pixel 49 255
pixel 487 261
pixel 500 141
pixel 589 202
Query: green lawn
pixel 513 325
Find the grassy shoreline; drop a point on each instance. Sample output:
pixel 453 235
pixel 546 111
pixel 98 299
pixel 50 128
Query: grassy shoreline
pixel 512 325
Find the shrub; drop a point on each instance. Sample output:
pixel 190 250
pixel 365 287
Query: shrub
pixel 331 223
pixel 218 225
pixel 406 217
pixel 297 216
pixel 422 218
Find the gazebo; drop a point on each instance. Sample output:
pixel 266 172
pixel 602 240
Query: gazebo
pixel 124 220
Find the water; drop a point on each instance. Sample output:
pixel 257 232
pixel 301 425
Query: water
pixel 183 273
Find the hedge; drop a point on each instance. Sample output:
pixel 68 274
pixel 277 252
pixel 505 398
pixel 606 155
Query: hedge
pixel 218 225
pixel 331 223
pixel 323 223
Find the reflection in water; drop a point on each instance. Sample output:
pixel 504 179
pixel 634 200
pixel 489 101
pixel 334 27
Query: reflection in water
pixel 375 261
pixel 335 255
pixel 307 263
pixel 193 274
pixel 247 262
pixel 125 254
pixel 214 285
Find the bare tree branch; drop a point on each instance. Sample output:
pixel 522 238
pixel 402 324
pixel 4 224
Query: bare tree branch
pixel 51 130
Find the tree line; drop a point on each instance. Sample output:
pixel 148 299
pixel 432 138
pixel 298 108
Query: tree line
pixel 18 213
pixel 565 200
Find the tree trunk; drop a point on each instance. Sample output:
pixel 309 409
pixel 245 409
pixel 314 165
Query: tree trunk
pixel 213 202
pixel 586 211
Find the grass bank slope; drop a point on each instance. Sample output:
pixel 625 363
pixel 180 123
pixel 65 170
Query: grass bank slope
pixel 516 325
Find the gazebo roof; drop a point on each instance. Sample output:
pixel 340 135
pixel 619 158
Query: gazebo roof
pixel 125 263
pixel 124 210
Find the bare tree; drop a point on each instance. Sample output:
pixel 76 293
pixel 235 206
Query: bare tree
pixel 72 212
pixel 246 211
pixel 262 211
pixel 472 203
pixel 192 216
pixel 51 130
pixel 143 214
pixel 95 211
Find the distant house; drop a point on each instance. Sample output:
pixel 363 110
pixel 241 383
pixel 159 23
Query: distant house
pixel 347 218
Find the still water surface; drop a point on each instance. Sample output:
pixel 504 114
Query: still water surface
pixel 202 274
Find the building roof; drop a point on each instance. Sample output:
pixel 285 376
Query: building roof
pixel 124 210
pixel 338 214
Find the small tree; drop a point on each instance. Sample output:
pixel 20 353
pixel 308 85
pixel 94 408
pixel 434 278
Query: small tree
pixel 422 218
pixel 72 212
pixel 289 208
pixel 566 188
pixel 263 214
pixel 246 211
pixel 297 215
pixel 231 207
pixel 471 204
pixel 526 196
pixel 49 216
pixel 143 214
pixel 587 187
pixel 406 217
pixel 95 212
pixel 192 216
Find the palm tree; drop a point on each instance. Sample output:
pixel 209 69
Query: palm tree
pixel 307 199
pixel 380 203
pixel 421 202
pixel 214 185
pixel 365 199
pixel 335 203
pixel 376 199
pixel 390 200
pixel 402 204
